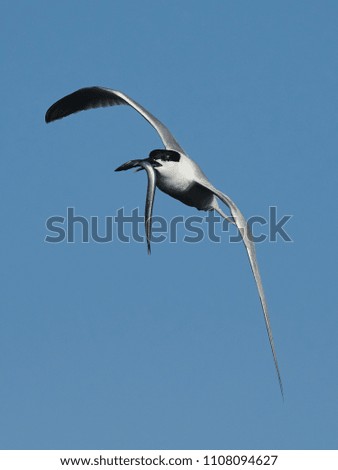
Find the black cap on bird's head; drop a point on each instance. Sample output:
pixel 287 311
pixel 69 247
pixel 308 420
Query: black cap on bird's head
pixel 165 155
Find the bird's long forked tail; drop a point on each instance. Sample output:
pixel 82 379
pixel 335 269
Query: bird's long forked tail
pixel 242 226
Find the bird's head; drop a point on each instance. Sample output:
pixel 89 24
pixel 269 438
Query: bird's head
pixel 164 155
pixel 155 158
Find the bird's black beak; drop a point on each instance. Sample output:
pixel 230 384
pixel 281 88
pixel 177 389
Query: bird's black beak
pixel 128 165
pixel 136 163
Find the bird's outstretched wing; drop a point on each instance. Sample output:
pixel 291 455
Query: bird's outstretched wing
pixel 250 248
pixel 98 97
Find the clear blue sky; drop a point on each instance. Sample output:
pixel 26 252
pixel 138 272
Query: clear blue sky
pixel 102 346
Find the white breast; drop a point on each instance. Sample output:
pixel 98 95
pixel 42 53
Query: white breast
pixel 177 177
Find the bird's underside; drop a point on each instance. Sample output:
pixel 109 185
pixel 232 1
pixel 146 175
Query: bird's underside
pixel 173 172
pixel 195 195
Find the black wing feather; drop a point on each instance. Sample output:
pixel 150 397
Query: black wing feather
pixel 80 100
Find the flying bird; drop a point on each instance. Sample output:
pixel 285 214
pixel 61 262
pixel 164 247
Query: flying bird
pixel 173 172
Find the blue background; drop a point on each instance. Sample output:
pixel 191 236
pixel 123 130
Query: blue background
pixel 105 347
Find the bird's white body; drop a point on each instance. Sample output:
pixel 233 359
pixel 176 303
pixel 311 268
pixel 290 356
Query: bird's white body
pixel 179 181
pixel 175 174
